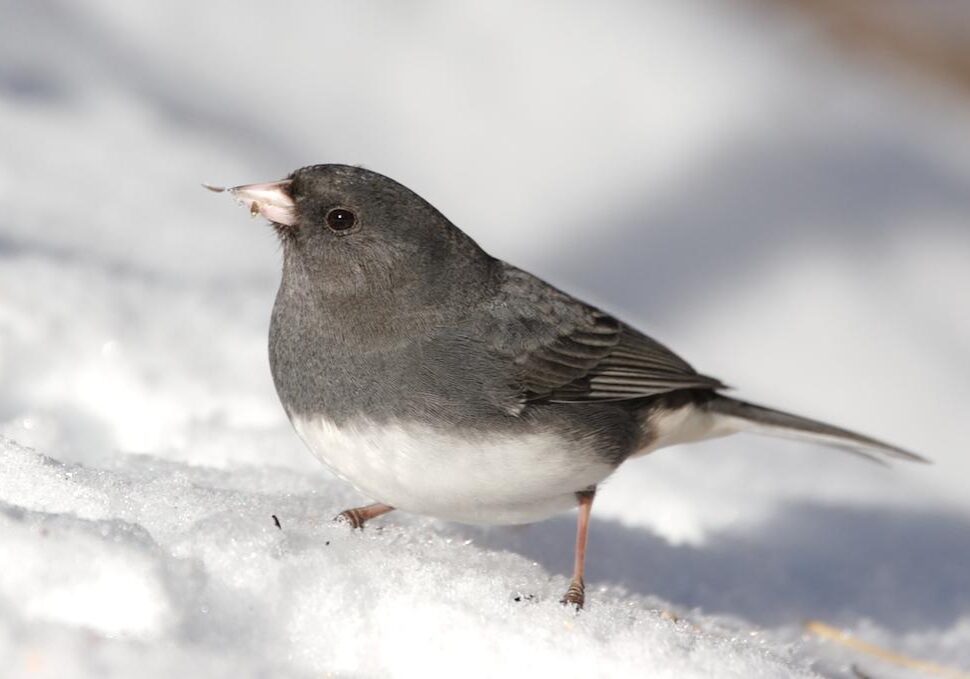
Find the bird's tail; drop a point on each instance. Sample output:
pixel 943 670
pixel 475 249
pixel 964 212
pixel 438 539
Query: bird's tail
pixel 741 416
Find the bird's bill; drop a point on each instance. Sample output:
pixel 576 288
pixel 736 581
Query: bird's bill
pixel 272 200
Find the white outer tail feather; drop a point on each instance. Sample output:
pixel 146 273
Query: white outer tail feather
pixel 724 415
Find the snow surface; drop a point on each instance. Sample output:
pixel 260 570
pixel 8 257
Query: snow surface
pixel 712 173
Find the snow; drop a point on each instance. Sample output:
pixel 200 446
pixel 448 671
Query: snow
pixel 790 223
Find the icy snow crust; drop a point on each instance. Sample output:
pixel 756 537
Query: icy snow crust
pixel 793 227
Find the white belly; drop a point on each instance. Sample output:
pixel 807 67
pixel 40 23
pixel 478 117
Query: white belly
pixel 474 479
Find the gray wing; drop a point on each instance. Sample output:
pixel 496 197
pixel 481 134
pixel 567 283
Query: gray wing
pixel 563 350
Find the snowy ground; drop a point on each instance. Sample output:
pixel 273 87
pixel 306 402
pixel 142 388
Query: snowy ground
pixel 794 226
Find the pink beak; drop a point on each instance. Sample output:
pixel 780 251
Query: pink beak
pixel 270 200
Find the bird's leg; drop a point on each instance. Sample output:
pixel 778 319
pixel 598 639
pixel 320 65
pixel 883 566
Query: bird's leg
pixel 576 594
pixel 358 516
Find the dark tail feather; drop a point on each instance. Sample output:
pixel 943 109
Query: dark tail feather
pixel 759 420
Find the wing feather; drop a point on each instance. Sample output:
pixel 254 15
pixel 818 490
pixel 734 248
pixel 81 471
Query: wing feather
pixel 564 350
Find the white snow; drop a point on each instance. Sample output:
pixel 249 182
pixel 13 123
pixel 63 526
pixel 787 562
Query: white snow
pixel 794 225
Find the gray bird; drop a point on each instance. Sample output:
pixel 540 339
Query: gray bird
pixel 439 380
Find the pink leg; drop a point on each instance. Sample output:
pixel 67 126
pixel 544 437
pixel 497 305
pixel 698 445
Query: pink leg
pixel 576 594
pixel 358 516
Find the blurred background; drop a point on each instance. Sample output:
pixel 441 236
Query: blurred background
pixel 777 189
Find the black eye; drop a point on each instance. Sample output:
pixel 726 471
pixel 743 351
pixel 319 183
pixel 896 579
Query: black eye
pixel 340 219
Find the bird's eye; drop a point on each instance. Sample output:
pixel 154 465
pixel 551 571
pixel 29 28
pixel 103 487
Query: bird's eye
pixel 340 219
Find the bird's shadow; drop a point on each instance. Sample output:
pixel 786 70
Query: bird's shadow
pixel 901 569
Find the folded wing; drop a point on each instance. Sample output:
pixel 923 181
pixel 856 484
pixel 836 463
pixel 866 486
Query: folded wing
pixel 566 351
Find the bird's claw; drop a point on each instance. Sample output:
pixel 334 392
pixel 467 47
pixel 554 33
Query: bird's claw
pixel 575 595
pixel 352 517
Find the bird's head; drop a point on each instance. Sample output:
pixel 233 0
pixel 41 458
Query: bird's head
pixel 353 231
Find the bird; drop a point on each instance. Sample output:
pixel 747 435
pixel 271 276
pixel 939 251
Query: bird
pixel 442 381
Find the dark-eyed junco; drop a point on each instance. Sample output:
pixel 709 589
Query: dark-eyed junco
pixel 442 381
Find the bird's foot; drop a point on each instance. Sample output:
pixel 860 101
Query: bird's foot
pixel 356 517
pixel 575 595
pixel 353 517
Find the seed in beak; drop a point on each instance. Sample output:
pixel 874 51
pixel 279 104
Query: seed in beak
pixel 271 199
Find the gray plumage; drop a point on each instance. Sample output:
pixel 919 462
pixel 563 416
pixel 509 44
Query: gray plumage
pixel 442 381
pixel 404 317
